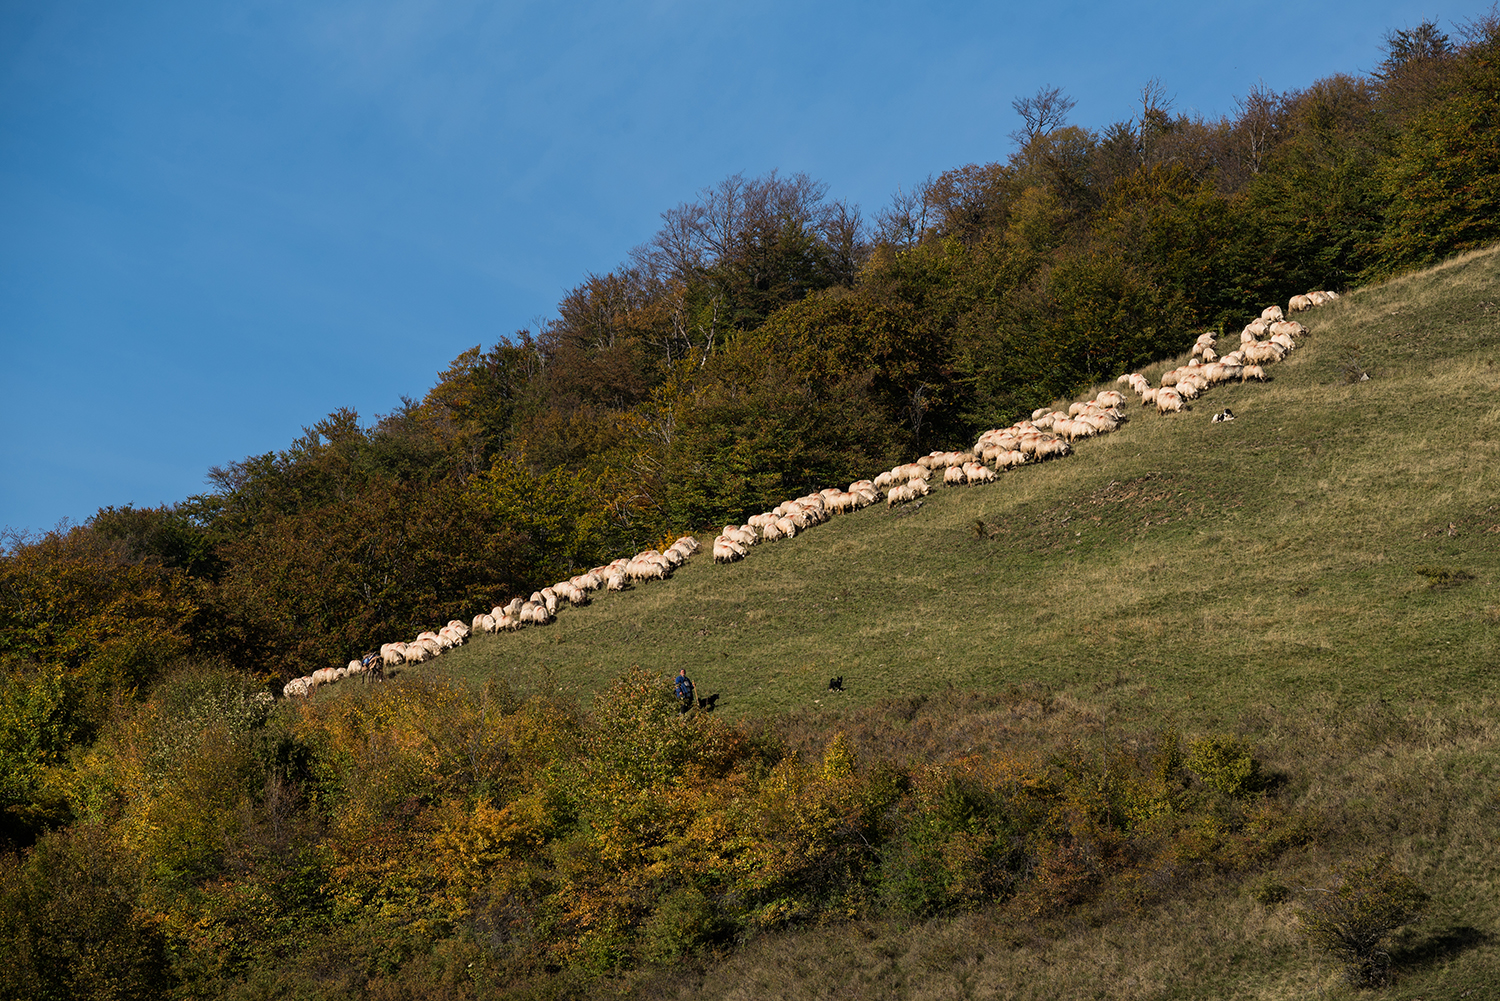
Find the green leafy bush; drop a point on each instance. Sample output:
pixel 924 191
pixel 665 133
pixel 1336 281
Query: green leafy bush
pixel 1353 919
pixel 1225 764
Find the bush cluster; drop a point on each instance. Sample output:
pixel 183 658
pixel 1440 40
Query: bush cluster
pixel 377 837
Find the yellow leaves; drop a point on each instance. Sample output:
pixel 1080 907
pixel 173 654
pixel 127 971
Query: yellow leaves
pixel 838 760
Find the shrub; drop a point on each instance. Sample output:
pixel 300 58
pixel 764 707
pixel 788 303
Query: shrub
pixel 1354 918
pixel 1225 764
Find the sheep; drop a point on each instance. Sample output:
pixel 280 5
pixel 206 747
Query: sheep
pixel 743 534
pixel 727 551
pixel 645 569
pixel 953 475
pixel 1167 401
pixel 1263 351
pixel 1050 446
pixel 299 688
pixel 977 472
pixel 1299 304
pixel 1272 313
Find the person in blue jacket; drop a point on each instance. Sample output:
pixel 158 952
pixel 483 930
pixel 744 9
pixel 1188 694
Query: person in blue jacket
pixel 684 690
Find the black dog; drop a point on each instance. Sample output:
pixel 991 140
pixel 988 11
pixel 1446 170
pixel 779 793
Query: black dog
pixel 709 704
pixel 836 684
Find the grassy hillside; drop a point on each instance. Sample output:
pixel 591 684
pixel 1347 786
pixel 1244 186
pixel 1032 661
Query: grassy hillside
pixel 1341 537
pixel 1319 575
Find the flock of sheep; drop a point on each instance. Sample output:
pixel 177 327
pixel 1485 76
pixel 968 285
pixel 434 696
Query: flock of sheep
pixel 540 609
pixel 1048 434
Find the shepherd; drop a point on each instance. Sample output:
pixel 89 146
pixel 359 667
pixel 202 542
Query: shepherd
pixel 685 690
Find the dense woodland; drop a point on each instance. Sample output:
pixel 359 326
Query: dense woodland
pixel 767 340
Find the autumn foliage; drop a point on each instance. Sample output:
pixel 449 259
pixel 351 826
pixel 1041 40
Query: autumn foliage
pixel 363 839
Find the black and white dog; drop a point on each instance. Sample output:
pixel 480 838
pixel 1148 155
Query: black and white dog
pixel 1227 415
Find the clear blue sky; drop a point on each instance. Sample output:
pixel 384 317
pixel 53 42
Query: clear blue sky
pixel 221 222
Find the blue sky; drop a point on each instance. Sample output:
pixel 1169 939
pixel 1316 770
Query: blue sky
pixel 221 222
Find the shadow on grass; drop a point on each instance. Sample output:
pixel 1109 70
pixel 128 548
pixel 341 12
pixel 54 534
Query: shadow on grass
pixel 1439 946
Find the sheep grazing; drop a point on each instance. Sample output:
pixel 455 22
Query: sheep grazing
pixel 727 550
pixel 976 472
pixel 901 493
pixel 1045 435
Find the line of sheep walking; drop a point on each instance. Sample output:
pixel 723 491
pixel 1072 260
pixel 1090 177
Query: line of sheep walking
pixel 1048 434
pixel 790 518
pixel 1263 341
pixel 540 609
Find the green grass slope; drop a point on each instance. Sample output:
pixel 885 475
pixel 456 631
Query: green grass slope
pixel 1340 536
pixel 1319 575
